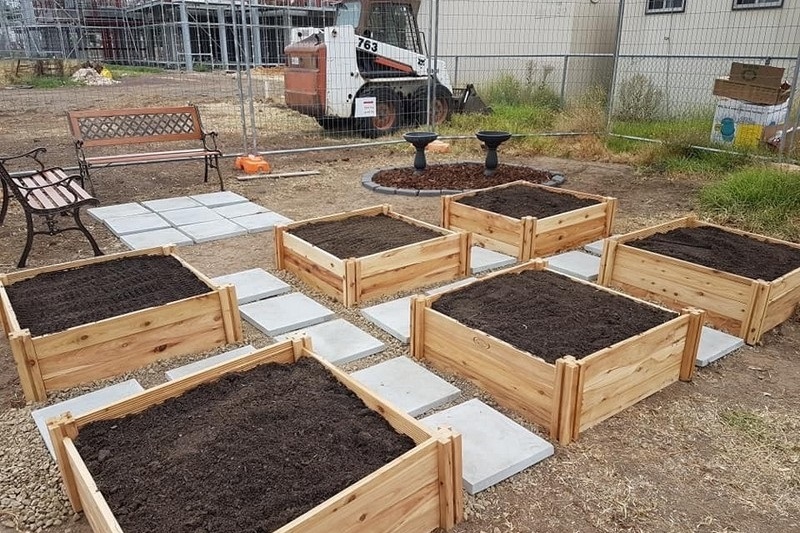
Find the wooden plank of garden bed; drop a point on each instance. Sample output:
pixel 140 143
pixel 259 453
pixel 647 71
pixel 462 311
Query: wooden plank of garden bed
pixel 93 504
pixel 783 297
pixel 491 230
pixel 8 317
pixel 653 357
pixel 573 228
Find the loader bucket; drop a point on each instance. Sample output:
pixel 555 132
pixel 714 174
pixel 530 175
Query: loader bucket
pixel 468 101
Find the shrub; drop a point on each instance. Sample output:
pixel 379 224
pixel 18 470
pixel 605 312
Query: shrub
pixel 638 99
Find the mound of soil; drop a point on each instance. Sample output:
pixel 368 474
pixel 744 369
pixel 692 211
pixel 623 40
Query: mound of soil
pixel 723 250
pixel 457 176
pixel 549 315
pixel 519 201
pixel 55 301
pixel 358 236
pixel 247 453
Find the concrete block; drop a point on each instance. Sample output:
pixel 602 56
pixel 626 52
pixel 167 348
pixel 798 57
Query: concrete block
pixel 282 314
pixel 135 223
pixel 261 221
pixel 81 405
pixel 192 215
pixel 118 210
pixel 394 317
pixel 407 385
pixel 239 210
pixel 208 362
pixel 158 237
pixel 217 199
pixel 170 204
pixel 494 446
pixel 339 341
pixel 254 284
pixel 482 259
pixel 576 264
pixel 715 344
pixel 211 231
pixel 595 248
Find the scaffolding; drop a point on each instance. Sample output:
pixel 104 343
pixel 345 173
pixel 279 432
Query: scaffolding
pixel 184 34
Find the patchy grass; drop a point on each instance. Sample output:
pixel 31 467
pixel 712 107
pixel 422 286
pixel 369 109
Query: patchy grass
pixel 505 117
pixel 694 129
pixel 758 198
pixel 123 71
pixel 48 82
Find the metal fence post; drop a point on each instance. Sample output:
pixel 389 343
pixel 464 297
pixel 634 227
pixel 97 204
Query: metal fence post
pixel 614 73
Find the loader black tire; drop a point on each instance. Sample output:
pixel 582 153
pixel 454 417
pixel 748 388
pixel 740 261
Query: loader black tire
pixel 335 123
pixel 443 105
pixel 387 117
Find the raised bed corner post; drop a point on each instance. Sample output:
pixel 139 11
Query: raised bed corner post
pixel 59 429
pixel 752 327
pixel 465 253
pixel 607 261
pixel 351 289
pixel 279 260
pixel 232 321
pixel 611 206
pixel 30 376
pixel 418 305
pixel 692 342
pixel 451 498
pixel 565 411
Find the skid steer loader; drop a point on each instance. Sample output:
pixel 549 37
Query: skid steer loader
pixel 370 72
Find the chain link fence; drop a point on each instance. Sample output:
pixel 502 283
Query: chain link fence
pixel 653 64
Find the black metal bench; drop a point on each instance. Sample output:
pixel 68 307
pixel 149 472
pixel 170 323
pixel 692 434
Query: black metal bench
pixel 48 193
pixel 115 127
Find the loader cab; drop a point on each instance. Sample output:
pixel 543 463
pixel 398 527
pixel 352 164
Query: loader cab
pixel 389 22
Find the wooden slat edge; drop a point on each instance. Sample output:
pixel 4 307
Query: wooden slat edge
pixel 691 342
pixel 60 429
pixel 97 511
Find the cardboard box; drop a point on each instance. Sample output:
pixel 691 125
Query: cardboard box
pixel 761 75
pixel 743 124
pixel 754 94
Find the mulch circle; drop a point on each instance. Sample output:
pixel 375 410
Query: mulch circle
pixel 59 300
pixel 519 201
pixel 724 250
pixel 548 315
pixel 358 236
pixel 450 178
pixel 249 452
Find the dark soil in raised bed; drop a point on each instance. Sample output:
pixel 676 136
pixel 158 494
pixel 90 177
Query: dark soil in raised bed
pixel 723 250
pixel 457 176
pixel 55 301
pixel 549 315
pixel 248 453
pixel 358 236
pixel 519 201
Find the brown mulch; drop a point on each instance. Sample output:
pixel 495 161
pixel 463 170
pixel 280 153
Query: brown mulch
pixel 457 176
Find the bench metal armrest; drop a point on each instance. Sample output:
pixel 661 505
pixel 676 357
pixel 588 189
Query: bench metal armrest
pixel 212 137
pixel 32 154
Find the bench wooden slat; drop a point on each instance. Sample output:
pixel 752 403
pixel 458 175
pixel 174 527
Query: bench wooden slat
pixel 53 197
pixel 197 153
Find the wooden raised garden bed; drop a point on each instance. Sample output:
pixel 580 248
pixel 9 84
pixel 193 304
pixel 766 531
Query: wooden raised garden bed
pixel 591 352
pixel 73 323
pixel 747 304
pixel 418 488
pixel 331 253
pixel 526 234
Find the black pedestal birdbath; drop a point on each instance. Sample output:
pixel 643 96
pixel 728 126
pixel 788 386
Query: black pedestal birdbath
pixel 420 139
pixel 492 139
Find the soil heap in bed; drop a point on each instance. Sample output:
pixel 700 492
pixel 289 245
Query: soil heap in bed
pixel 549 315
pixel 457 176
pixel 55 301
pixel 724 250
pixel 519 201
pixel 358 236
pixel 248 453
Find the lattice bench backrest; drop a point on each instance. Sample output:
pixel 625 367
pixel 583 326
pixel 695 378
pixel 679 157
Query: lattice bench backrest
pixel 108 127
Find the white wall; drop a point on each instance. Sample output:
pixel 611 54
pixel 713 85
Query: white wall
pixel 686 42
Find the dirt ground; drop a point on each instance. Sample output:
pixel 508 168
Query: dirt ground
pixel 719 454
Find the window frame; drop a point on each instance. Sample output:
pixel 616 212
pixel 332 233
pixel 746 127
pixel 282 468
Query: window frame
pixel 660 11
pixel 765 4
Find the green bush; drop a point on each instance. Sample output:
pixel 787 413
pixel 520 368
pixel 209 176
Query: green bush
pixel 509 90
pixel 638 99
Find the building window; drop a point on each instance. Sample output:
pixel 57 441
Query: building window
pixel 665 6
pixel 756 4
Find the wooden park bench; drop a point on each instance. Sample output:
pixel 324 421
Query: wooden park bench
pixel 116 127
pixel 48 193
